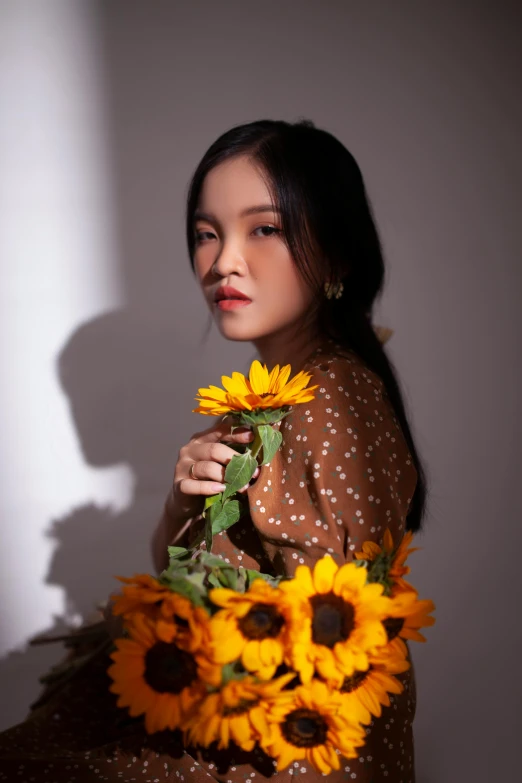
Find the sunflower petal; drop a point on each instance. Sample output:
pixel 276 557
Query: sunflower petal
pixel 324 573
pixel 258 377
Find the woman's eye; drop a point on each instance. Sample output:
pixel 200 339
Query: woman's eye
pixel 271 229
pixel 200 235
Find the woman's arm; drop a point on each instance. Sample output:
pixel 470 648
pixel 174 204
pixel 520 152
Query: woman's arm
pixel 343 474
pixel 172 530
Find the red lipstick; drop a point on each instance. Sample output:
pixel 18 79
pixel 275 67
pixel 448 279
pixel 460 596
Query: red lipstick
pixel 228 298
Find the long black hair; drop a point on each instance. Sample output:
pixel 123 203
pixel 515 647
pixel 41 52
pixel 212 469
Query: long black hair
pixel 325 215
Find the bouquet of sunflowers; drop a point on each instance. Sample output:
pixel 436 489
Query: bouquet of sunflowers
pixel 296 667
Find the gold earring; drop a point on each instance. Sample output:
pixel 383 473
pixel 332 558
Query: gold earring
pixel 333 289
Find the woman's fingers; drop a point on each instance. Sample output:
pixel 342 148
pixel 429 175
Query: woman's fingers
pixel 208 452
pixel 222 431
pixel 208 484
pixel 189 486
pixel 239 436
pixel 209 470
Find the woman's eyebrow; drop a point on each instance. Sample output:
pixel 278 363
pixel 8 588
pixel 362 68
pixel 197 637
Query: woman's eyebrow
pixel 199 215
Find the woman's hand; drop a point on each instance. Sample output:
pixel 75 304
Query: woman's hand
pixel 185 502
pixel 200 469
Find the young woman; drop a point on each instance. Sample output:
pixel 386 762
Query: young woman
pixel 285 250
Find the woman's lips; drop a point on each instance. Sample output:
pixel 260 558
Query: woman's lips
pixel 232 304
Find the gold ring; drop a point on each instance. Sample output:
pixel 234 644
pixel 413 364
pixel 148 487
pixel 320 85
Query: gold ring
pixel 191 472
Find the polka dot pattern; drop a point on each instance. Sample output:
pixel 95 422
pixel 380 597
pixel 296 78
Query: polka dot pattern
pixel 343 475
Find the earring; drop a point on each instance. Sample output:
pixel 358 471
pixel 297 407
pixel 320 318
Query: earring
pixel 333 289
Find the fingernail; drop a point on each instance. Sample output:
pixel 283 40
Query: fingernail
pixel 219 487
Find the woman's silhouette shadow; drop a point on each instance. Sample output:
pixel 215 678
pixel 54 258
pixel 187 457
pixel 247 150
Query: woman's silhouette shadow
pixel 129 383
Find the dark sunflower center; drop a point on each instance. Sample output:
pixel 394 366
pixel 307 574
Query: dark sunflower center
pixel 355 681
pixel 333 619
pixel 304 728
pixel 169 669
pixel 393 626
pixel 261 621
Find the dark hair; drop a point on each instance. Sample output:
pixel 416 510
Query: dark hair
pixel 326 216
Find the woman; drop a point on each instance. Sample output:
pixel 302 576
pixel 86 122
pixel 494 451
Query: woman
pixel 283 245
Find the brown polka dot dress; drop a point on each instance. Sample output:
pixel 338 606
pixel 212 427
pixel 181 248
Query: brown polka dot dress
pixel 343 475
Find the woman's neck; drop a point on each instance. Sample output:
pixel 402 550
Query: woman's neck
pixel 272 351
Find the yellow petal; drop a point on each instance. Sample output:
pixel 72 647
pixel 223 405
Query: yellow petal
pixel 259 722
pixel 302 580
pixel 287 754
pixel 258 377
pixel 213 393
pixel 237 385
pixel 251 656
pixel 240 731
pixel 324 573
pixel 281 379
pixel 226 653
pixel 318 761
pixel 272 379
pixel 388 540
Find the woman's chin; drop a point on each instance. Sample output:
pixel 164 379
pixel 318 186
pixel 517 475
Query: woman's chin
pixel 238 334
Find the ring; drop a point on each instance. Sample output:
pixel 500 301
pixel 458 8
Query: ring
pixel 191 472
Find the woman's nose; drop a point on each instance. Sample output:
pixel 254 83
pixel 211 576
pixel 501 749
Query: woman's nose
pixel 229 261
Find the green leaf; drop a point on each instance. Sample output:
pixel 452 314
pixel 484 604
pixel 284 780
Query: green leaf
pixel 228 517
pixel 208 560
pixel 176 551
pixel 176 570
pixel 214 510
pixel 228 578
pixel 233 671
pixel 211 499
pixel 188 589
pixel 208 534
pixel 238 472
pixel 213 579
pixel 265 415
pixel 251 576
pixel 241 580
pixel 271 440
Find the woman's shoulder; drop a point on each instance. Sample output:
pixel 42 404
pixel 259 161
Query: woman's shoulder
pixel 341 370
pixel 347 394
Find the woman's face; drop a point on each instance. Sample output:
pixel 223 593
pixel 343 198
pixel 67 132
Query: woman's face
pixel 239 243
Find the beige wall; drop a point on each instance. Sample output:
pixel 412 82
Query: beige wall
pixel 427 97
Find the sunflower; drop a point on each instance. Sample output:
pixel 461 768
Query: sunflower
pixel 365 692
pixel 397 569
pixel 145 594
pixel 250 626
pixel 405 616
pixel 335 620
pixel 307 723
pixel 260 390
pixel 153 674
pixel 237 712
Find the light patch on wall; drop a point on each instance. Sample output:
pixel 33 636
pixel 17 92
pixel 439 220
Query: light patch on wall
pixel 58 269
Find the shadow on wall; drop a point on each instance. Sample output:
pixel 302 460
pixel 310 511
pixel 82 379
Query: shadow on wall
pixel 121 377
